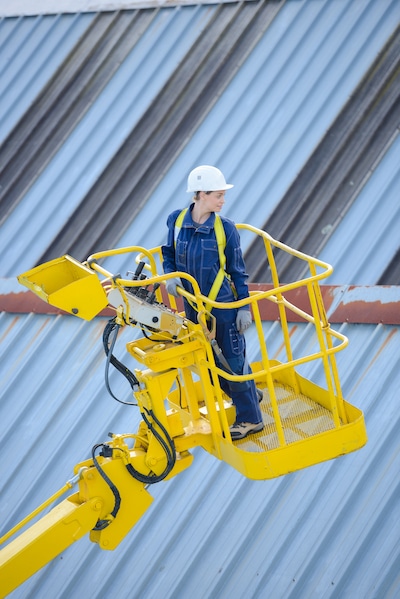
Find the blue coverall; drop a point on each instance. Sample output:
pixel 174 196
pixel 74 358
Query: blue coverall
pixel 195 252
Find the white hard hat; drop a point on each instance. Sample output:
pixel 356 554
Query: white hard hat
pixel 206 178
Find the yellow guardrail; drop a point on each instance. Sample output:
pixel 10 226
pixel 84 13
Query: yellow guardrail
pixel 327 337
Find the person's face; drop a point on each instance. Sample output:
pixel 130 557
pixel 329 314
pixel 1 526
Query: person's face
pixel 212 201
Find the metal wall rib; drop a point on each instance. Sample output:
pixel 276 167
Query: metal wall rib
pixel 65 99
pixel 31 51
pixel 336 172
pixel 133 173
pixel 391 275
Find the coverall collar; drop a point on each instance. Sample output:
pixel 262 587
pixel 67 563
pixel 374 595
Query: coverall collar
pixel 189 222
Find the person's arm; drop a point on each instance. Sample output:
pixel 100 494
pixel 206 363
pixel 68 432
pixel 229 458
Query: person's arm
pixel 235 265
pixel 168 250
pixel 168 253
pixel 236 268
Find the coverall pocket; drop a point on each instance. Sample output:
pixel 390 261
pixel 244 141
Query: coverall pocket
pixel 181 254
pixel 209 255
pixel 237 342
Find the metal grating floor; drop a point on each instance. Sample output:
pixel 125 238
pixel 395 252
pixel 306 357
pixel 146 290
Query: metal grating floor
pixel 301 418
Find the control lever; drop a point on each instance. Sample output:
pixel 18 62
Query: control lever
pixel 138 271
pixel 152 295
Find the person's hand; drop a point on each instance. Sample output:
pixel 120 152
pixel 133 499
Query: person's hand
pixel 172 285
pixel 243 320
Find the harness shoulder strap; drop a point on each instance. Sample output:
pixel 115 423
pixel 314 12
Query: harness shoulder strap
pixel 219 233
pixel 221 240
pixel 221 243
pixel 178 223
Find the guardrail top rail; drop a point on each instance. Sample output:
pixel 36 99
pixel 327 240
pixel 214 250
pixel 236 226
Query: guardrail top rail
pixel 317 270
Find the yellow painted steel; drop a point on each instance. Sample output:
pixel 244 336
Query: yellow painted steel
pixel 44 540
pixel 75 517
pixel 181 401
pixel 68 285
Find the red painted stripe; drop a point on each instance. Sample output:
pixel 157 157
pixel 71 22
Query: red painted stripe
pixel 351 303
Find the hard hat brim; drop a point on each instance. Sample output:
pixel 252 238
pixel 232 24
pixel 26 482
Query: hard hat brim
pixel 223 188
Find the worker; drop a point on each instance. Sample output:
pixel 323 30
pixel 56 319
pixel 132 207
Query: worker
pixel 192 247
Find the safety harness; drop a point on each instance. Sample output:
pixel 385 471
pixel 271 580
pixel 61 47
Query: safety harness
pixel 216 286
pixel 221 242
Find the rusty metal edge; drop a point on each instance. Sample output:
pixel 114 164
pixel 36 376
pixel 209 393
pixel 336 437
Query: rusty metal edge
pixel 343 303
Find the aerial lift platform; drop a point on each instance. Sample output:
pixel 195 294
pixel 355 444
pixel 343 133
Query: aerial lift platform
pixel 177 390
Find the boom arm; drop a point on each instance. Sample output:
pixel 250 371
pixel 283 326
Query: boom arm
pixel 41 543
pixel 109 502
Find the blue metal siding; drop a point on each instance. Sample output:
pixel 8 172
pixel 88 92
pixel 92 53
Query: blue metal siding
pixel 328 531
pixel 260 131
pixel 368 236
pixel 80 161
pixel 274 112
pixel 31 49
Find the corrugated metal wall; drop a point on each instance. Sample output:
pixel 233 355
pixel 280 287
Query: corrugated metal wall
pixel 32 50
pixel 125 139
pixel 336 173
pixel 328 531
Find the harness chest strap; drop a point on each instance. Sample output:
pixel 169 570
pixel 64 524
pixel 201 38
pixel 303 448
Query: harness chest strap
pixel 221 243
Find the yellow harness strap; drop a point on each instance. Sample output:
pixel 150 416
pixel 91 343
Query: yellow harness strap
pixel 221 242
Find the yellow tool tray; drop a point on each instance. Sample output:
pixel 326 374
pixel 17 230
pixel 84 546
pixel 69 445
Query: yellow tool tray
pixel 67 284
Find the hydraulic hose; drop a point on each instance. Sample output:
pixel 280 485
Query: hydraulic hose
pixel 101 524
pixel 167 445
pixel 112 328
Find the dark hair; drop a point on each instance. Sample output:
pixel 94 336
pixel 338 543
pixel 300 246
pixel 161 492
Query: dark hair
pixel 196 195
